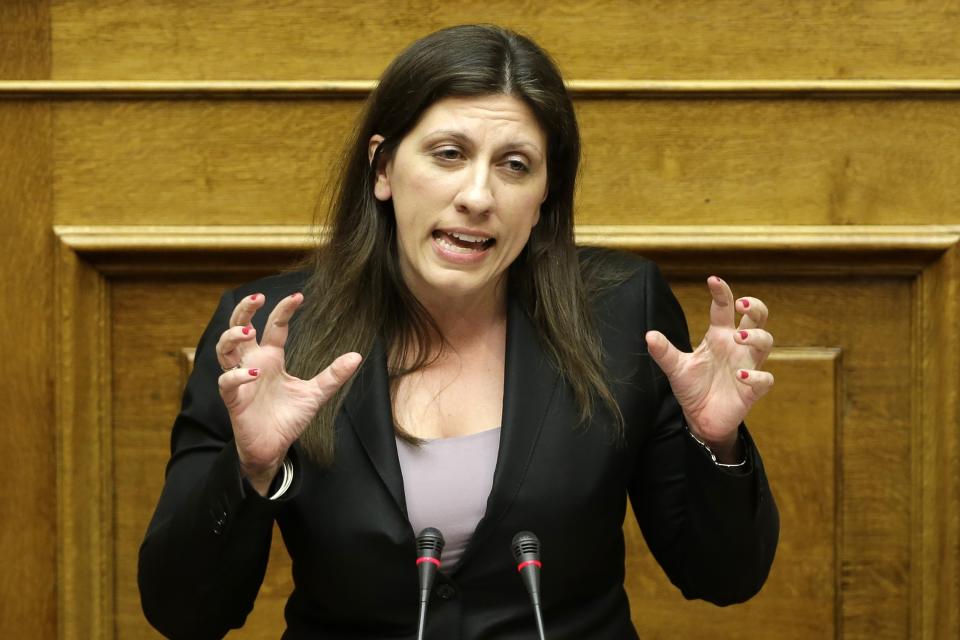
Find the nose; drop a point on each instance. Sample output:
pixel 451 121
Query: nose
pixel 475 196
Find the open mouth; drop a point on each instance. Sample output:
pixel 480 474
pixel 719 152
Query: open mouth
pixel 463 242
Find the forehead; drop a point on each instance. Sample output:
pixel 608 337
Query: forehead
pixel 500 116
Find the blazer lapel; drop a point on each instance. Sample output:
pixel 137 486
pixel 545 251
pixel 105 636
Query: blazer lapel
pixel 530 383
pixel 368 408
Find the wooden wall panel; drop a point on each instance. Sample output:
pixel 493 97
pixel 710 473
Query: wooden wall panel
pixel 28 508
pixel 767 151
pixel 28 440
pixel 841 434
pixel 791 161
pixel 797 431
pixel 299 39
pixel 147 399
pixel 196 162
pixel 876 474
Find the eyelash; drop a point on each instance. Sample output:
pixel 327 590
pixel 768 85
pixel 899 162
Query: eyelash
pixel 442 154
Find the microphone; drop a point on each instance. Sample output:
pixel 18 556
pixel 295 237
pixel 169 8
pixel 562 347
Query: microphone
pixel 526 551
pixel 429 548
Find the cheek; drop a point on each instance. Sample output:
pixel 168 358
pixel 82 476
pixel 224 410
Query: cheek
pixel 415 189
pixel 526 212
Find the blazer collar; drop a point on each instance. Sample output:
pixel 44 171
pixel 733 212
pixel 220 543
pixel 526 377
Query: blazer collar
pixel 530 382
pixel 371 414
pixel 529 385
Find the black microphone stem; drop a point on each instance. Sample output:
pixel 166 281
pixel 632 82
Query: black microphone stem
pixel 539 618
pixel 429 548
pixel 423 620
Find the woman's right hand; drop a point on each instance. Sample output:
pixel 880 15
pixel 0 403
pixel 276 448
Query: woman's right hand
pixel 269 408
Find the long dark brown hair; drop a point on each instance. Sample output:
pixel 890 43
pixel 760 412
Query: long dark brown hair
pixel 356 292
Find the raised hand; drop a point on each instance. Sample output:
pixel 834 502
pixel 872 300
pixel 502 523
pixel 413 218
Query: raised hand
pixel 269 408
pixel 718 383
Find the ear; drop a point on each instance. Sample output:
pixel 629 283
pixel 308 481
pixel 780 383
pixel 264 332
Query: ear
pixel 381 188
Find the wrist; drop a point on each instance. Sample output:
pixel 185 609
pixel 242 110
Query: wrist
pixel 724 453
pixel 260 476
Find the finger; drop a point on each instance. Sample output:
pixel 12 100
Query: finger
pixel 759 381
pixel 663 352
pixel 337 374
pixel 231 381
pixel 243 312
pixel 721 308
pixel 759 341
pixel 230 346
pixel 278 324
pixel 754 313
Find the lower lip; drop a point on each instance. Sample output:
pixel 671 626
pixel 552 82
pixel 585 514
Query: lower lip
pixel 456 257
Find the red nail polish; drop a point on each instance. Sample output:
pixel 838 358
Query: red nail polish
pixel 254 372
pixel 743 335
pixel 745 303
pixel 254 297
pixel 744 375
pixel 246 331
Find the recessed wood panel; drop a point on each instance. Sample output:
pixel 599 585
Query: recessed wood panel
pixel 745 162
pixel 299 39
pixel 869 318
pixel 844 487
pixel 796 430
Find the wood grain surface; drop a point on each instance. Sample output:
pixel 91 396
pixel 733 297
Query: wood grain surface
pixel 300 39
pixel 740 162
pixel 797 432
pixel 840 411
pixel 28 502
pixel 732 120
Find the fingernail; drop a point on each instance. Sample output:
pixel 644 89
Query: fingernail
pixel 744 375
pixel 254 297
pixel 743 335
pixel 254 372
pixel 246 331
pixel 745 303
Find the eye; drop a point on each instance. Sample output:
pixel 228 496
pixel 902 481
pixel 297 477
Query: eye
pixel 448 153
pixel 517 166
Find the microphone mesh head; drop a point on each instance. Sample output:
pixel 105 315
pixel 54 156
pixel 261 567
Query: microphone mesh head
pixel 525 544
pixel 430 542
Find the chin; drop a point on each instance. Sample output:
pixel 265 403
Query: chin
pixel 457 284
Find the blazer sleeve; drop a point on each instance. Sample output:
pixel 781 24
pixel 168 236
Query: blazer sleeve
pixel 713 531
pixel 205 551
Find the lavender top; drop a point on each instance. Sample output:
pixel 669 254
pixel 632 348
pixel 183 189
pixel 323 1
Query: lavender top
pixel 446 483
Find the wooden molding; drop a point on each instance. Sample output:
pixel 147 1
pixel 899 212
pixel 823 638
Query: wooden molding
pixel 84 450
pixel 679 249
pixel 935 545
pixel 358 89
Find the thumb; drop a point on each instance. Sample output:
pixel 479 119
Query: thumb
pixel 663 352
pixel 337 374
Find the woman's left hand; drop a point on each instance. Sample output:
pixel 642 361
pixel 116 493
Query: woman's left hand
pixel 718 383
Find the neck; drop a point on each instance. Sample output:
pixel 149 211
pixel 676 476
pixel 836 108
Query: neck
pixel 465 319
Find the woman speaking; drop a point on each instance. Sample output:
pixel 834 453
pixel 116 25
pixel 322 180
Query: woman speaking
pixel 451 359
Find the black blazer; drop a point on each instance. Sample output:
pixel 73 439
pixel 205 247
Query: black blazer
pixel 714 532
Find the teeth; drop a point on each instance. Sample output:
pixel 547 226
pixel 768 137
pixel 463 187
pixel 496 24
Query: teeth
pixel 453 247
pixel 468 238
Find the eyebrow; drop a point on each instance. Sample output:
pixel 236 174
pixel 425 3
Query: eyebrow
pixel 466 141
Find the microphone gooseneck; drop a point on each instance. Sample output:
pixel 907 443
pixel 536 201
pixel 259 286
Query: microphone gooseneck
pixel 526 552
pixel 429 549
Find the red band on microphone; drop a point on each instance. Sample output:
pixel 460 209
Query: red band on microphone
pixel 426 559
pixel 533 562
